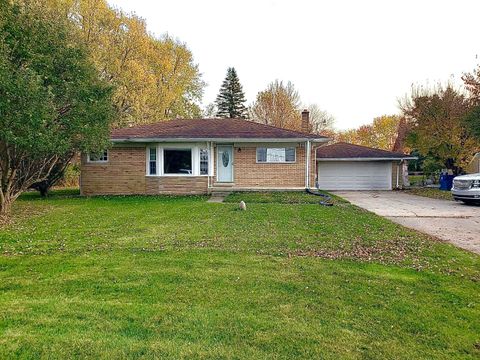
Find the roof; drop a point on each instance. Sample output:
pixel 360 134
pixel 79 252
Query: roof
pixel 205 129
pixel 346 151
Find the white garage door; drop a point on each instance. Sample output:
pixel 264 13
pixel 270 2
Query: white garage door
pixel 355 175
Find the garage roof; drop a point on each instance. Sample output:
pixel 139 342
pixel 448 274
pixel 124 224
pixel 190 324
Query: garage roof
pixel 346 151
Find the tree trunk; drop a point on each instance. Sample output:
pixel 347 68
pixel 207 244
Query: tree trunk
pixel 5 206
pixel 43 188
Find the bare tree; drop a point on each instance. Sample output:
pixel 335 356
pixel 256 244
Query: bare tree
pixel 210 111
pixel 320 120
pixel 278 105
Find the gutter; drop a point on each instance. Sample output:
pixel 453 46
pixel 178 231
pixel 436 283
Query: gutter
pixel 369 159
pixel 248 140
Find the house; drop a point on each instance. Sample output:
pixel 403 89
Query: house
pixel 199 156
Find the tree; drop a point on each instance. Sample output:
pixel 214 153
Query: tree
pixel 51 99
pixel 321 122
pixel 400 140
pixel 437 127
pixel 472 119
pixel 231 99
pixel 381 133
pixel 154 78
pixel 210 111
pixel 278 105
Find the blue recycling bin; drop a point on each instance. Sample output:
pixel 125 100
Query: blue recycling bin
pixel 446 182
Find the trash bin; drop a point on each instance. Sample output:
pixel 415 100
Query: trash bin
pixel 446 182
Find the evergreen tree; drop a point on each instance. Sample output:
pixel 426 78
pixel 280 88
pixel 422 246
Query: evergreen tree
pixel 231 99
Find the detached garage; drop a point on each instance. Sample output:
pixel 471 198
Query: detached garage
pixel 344 166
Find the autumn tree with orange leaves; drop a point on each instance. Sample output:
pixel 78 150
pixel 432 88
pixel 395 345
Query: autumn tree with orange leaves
pixel 381 133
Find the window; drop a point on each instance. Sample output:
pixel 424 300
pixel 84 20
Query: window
pixel 98 157
pixel 178 161
pixel 203 162
pixel 152 164
pixel 276 155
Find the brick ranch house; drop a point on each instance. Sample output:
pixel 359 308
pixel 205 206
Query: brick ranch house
pixel 198 156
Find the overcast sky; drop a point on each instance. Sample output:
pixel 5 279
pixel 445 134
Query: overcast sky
pixel 353 58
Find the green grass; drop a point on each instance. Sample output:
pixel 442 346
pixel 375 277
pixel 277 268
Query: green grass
pixel 176 277
pixel 280 197
pixel 433 193
pixel 416 179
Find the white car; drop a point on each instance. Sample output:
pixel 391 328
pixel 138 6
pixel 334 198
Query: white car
pixel 466 188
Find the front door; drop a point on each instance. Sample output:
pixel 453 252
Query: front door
pixel 224 163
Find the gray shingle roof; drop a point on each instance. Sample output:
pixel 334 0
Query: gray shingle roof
pixel 344 150
pixel 208 128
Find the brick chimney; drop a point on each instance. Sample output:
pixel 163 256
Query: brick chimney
pixel 305 121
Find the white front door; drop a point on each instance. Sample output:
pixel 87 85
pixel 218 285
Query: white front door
pixel 224 163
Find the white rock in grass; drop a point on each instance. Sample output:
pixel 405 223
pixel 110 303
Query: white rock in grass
pixel 242 205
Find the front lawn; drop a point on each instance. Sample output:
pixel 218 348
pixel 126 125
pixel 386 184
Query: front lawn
pixel 176 277
pixel 280 197
pixel 434 193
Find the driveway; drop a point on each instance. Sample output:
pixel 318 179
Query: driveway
pixel 447 220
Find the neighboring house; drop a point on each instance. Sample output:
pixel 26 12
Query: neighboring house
pixel 199 156
pixel 344 166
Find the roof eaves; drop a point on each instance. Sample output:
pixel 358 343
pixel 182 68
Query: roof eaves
pixel 366 158
pixel 193 139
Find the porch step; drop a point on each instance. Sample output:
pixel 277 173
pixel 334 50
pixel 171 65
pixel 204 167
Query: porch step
pixel 216 199
pixel 223 185
pixel 220 193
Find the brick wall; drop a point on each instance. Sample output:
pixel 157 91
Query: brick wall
pixel 124 173
pixel 181 185
pixel 249 173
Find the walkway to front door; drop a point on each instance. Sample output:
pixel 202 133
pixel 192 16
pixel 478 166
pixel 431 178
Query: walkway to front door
pixel 224 163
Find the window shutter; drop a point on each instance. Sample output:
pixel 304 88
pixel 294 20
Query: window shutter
pixel 261 154
pixel 290 154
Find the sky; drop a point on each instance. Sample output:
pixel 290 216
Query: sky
pixel 354 59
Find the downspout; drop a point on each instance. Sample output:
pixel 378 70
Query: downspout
pixel 211 168
pixel 307 166
pixel 208 170
pixel 315 167
pixel 398 174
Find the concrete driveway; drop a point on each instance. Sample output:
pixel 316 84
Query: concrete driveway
pixel 447 220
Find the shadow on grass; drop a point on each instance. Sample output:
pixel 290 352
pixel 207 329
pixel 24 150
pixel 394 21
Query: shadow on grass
pixel 53 194
pixel 72 193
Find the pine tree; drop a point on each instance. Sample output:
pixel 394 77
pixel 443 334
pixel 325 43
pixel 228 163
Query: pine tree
pixel 231 99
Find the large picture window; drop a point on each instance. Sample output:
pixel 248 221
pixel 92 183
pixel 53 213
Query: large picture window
pixel 276 155
pixel 177 161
